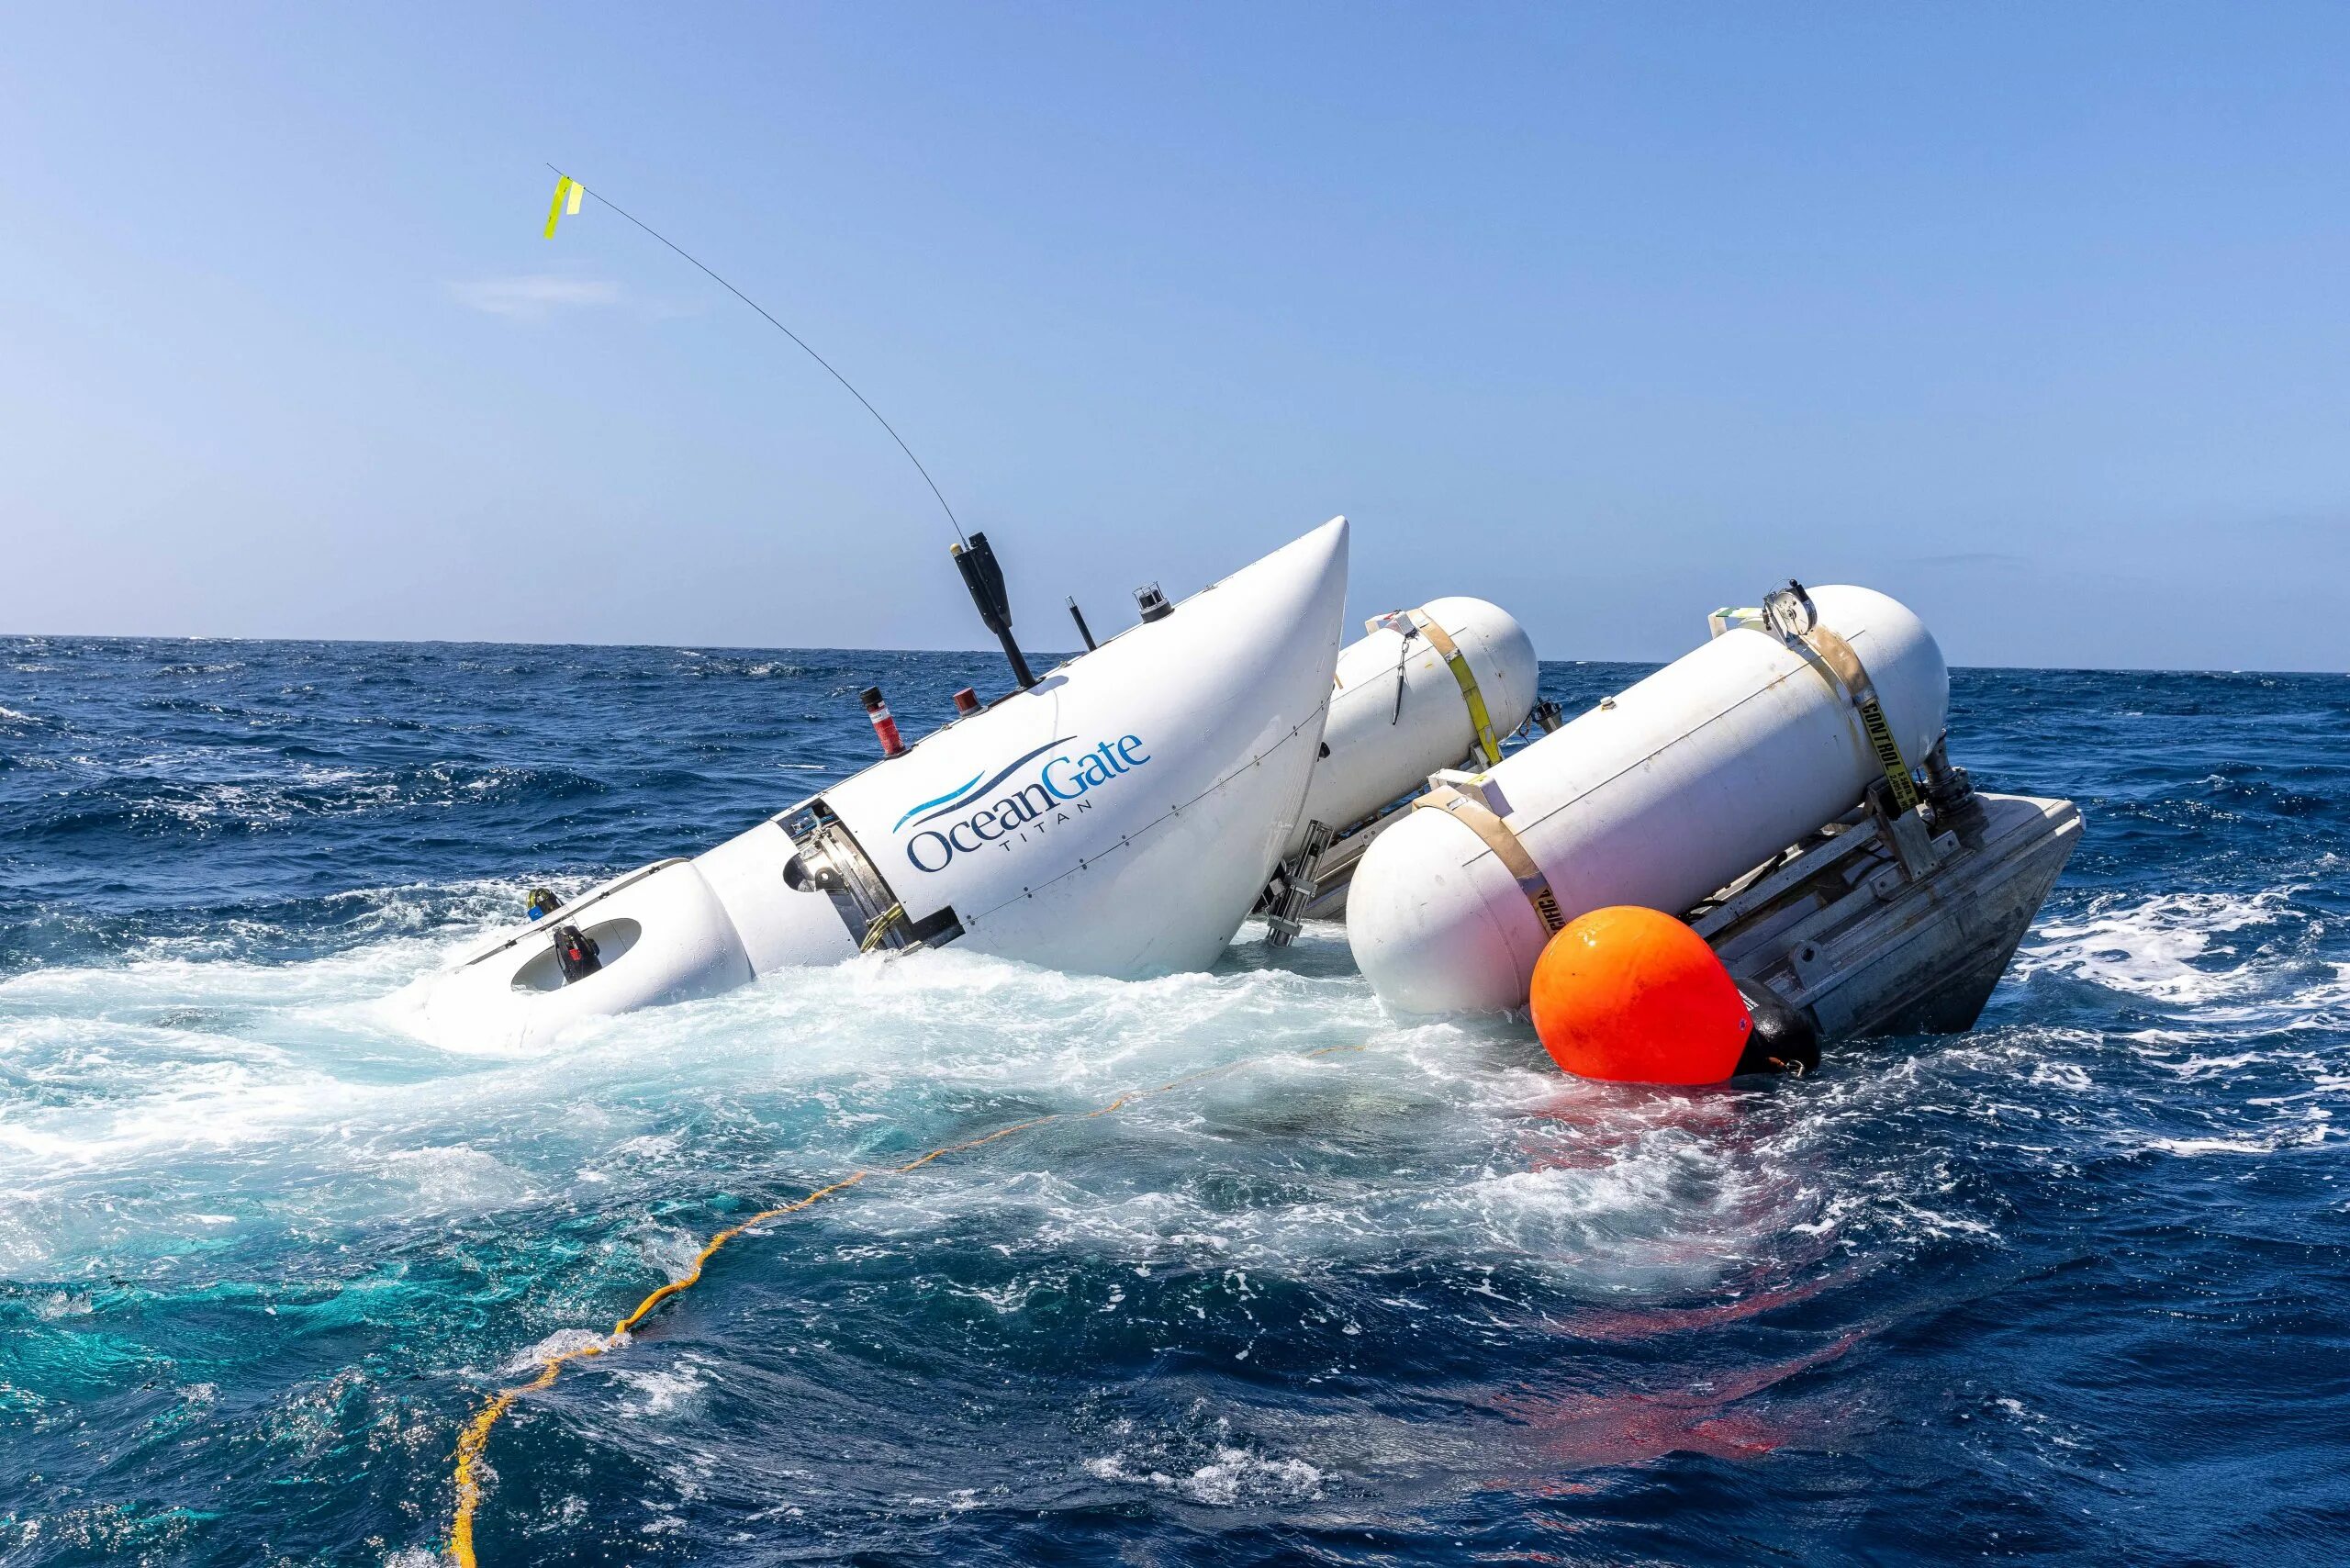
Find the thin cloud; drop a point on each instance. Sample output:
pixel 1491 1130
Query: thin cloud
pixel 535 296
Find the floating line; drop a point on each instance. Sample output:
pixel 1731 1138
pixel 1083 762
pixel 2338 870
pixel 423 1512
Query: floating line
pixel 953 521
pixel 466 1479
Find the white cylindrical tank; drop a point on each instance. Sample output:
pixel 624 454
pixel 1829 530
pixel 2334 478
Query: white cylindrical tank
pixel 1658 797
pixel 1398 712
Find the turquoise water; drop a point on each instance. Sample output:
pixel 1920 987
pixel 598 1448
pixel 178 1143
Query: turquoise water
pixel 2068 1287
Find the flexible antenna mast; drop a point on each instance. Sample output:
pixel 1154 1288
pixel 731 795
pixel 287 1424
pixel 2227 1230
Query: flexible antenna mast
pixel 952 520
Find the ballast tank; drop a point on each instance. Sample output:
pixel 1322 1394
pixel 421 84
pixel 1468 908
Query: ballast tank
pixel 1402 704
pixel 1660 796
pixel 1117 818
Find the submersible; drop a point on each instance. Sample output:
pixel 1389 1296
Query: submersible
pixel 1117 817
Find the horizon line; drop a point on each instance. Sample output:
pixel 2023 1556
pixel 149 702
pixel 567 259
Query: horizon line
pixel 1062 657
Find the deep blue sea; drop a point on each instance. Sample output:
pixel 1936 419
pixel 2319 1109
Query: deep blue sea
pixel 2073 1288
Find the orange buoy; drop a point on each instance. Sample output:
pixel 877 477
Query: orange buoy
pixel 1634 996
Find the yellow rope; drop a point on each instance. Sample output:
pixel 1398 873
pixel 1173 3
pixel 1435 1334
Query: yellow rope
pixel 880 926
pixel 466 1480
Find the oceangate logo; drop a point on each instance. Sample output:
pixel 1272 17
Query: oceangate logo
pixel 1062 787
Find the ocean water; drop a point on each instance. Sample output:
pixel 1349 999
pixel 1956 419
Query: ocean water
pixel 2074 1287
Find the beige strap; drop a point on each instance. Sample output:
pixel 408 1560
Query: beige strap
pixel 1845 664
pixel 1479 819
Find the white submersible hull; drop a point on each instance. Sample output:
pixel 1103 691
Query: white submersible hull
pixel 1117 818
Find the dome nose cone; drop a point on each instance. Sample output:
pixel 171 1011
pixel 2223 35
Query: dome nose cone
pixel 1295 596
pixel 1315 562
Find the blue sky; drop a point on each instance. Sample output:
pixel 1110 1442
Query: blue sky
pixel 2036 317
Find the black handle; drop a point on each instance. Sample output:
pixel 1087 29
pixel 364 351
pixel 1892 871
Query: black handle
pixel 982 575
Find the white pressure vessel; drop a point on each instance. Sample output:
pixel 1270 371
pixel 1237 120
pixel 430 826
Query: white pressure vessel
pixel 1658 797
pixel 1398 712
pixel 1117 818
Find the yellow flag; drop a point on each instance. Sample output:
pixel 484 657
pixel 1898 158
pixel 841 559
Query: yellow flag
pixel 563 187
pixel 571 207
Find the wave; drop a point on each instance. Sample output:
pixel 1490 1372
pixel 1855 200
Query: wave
pixel 265 1246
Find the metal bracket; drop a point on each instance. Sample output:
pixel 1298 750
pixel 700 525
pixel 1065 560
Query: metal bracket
pixel 1904 830
pixel 1284 918
pixel 828 860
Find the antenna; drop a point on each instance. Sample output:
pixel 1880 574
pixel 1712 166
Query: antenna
pixel 952 520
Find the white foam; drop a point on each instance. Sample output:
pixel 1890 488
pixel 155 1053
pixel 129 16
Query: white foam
pixel 562 1342
pixel 661 1392
pixel 290 1097
pixel 2151 947
pixel 1233 1477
